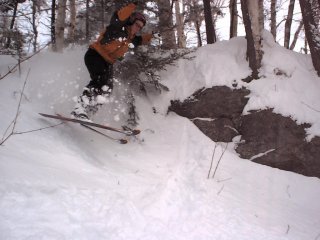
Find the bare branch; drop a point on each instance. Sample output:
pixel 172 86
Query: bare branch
pixel 220 190
pixel 14 122
pixel 5 132
pixel 310 107
pixel 214 150
pixel 14 68
pixel 39 129
pixel 220 160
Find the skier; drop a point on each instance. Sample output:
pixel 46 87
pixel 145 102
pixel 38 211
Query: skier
pixel 111 46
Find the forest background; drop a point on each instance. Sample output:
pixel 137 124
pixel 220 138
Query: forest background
pixel 29 26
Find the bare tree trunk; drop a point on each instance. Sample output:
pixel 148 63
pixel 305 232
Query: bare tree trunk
pixel 316 7
pixel 180 25
pixel 3 25
pixel 53 25
pixel 233 18
pixel 72 23
pixel 305 49
pixel 251 52
pixel 210 31
pixel 34 27
pixel 312 32
pixel 87 21
pixel 296 35
pixel 197 24
pixel 287 30
pixel 60 25
pixel 166 24
pixel 12 23
pixel 255 12
pixel 261 15
pixel 273 20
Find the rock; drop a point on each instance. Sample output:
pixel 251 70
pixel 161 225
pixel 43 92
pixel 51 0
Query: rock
pixel 283 142
pixel 303 158
pixel 216 102
pixel 219 130
pixel 266 137
pixel 265 130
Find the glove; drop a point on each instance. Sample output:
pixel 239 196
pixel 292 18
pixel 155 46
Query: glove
pixel 156 35
pixel 131 45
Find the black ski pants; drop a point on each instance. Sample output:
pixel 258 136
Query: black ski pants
pixel 101 72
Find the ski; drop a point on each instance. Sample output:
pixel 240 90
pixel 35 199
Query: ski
pixel 92 124
pixel 119 140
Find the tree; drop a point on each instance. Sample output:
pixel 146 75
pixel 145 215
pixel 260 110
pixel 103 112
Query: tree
pixel 166 24
pixel 296 35
pixel 180 25
pixel 273 19
pixel 10 34
pixel 101 7
pixel 287 31
pixel 60 25
pixel 312 32
pixel 233 18
pixel 252 39
pixel 194 15
pixel 34 25
pixel 72 21
pixel 15 7
pixel 53 24
pixel 257 24
pixel 210 31
pixel 7 5
pixel 87 21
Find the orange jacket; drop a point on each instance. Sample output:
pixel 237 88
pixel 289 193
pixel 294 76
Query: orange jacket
pixel 113 43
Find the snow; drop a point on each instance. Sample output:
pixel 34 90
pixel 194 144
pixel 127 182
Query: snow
pixel 67 182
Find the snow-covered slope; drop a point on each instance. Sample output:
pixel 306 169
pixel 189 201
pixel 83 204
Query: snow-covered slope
pixel 66 182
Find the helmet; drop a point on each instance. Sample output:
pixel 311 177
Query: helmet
pixel 137 16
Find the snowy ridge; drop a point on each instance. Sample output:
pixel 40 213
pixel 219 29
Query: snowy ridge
pixel 69 183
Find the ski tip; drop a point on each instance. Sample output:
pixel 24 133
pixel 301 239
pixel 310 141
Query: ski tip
pixel 123 141
pixel 135 132
pixel 131 132
pixel 44 115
